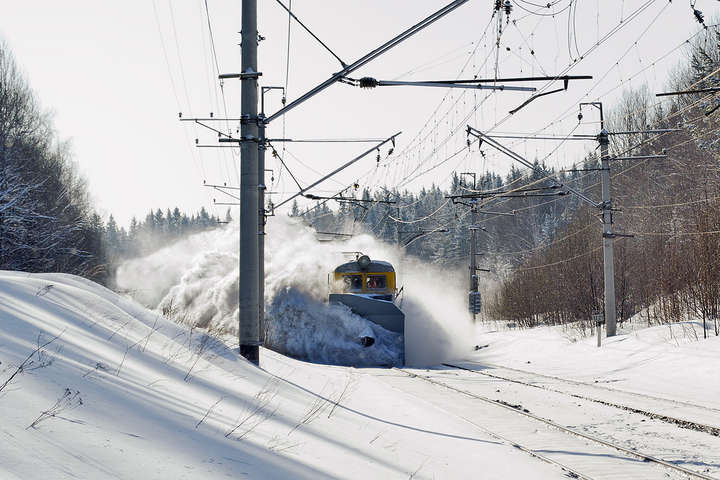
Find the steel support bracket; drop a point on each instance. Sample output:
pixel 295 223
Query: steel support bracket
pixel 247 120
pixel 617 235
pixel 246 138
pixel 241 76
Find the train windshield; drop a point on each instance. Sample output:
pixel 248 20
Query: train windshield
pixel 376 282
pixel 352 283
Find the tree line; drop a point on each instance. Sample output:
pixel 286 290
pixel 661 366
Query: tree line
pixel 47 221
pixel 670 269
pixel 158 228
pixel 430 225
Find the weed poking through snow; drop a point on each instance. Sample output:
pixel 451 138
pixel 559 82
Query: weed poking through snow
pixel 70 399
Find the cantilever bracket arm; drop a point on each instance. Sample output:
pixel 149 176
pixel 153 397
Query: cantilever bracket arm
pixel 482 137
pixel 343 167
pixel 505 214
pixel 538 95
pixel 368 58
pixel 347 199
pixel 422 233
pixel 369 82
pixel 566 81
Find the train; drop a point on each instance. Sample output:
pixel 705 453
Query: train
pixel 369 288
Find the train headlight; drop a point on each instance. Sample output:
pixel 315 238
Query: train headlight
pixel 364 262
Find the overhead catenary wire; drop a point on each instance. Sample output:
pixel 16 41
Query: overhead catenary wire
pixel 570 110
pixel 193 154
pixel 712 232
pixel 418 220
pixel 565 260
pixel 216 66
pixel 671 115
pixel 577 232
pixel 455 152
pixel 585 54
pixel 289 10
pixel 543 7
pixel 563 115
pixel 609 33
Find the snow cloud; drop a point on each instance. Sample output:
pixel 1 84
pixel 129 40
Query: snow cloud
pixel 197 280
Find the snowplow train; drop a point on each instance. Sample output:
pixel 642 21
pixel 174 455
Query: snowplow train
pixel 368 287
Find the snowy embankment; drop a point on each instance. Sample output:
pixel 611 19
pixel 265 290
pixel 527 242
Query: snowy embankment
pixel 668 361
pixel 95 386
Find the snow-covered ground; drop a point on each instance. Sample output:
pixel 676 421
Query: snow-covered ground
pixel 122 393
pixel 670 361
pixel 109 389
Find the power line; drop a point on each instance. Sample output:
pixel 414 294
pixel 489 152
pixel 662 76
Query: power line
pixel 589 252
pixel 310 32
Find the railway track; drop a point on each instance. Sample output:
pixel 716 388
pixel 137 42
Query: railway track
pixel 579 454
pixel 603 387
pixel 680 422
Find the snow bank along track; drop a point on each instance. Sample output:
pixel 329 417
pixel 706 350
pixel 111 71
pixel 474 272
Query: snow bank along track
pixel 598 386
pixel 581 455
pixel 683 423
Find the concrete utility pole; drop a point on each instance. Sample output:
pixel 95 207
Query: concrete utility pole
pixel 608 237
pixel 473 302
pixel 473 257
pixel 3 182
pixel 250 218
pixel 474 298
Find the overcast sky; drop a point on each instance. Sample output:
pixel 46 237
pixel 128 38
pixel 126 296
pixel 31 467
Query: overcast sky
pixel 116 74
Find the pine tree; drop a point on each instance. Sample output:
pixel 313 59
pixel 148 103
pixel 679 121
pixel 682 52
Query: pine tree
pixel 294 211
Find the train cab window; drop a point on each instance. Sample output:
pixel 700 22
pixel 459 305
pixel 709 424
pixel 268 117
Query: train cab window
pixel 376 282
pixel 352 283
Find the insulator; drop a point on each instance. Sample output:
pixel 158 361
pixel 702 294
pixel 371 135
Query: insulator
pixel 508 9
pixel 211 114
pixel 367 82
pixel 699 16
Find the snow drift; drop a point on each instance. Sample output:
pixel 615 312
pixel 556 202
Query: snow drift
pixel 196 280
pixel 94 386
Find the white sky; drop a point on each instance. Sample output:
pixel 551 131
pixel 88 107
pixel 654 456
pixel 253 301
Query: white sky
pixel 100 67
